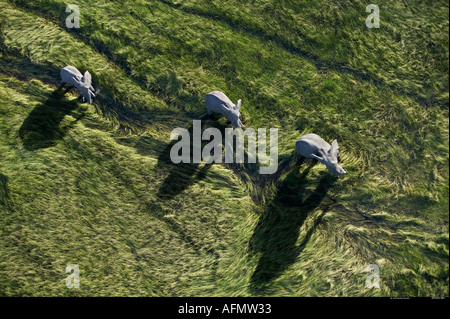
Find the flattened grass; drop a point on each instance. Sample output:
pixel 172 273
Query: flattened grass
pixel 93 185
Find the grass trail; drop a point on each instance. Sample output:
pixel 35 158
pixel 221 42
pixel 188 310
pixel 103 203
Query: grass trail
pixel 93 185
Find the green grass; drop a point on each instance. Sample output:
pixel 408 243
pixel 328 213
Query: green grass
pixel 94 186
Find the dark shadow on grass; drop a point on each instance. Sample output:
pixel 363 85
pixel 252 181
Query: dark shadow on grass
pixel 261 185
pixel 4 191
pixel 41 129
pixel 181 175
pixel 278 229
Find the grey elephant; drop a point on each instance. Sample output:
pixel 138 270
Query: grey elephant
pixel 218 102
pixel 71 76
pixel 313 146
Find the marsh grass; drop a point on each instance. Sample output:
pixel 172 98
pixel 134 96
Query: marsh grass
pixel 93 185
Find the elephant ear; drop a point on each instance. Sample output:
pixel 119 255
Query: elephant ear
pixel 334 149
pixel 87 79
pixel 238 104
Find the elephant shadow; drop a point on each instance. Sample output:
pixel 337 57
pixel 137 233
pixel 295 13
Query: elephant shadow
pixel 5 199
pixel 182 175
pixel 276 234
pixel 42 128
